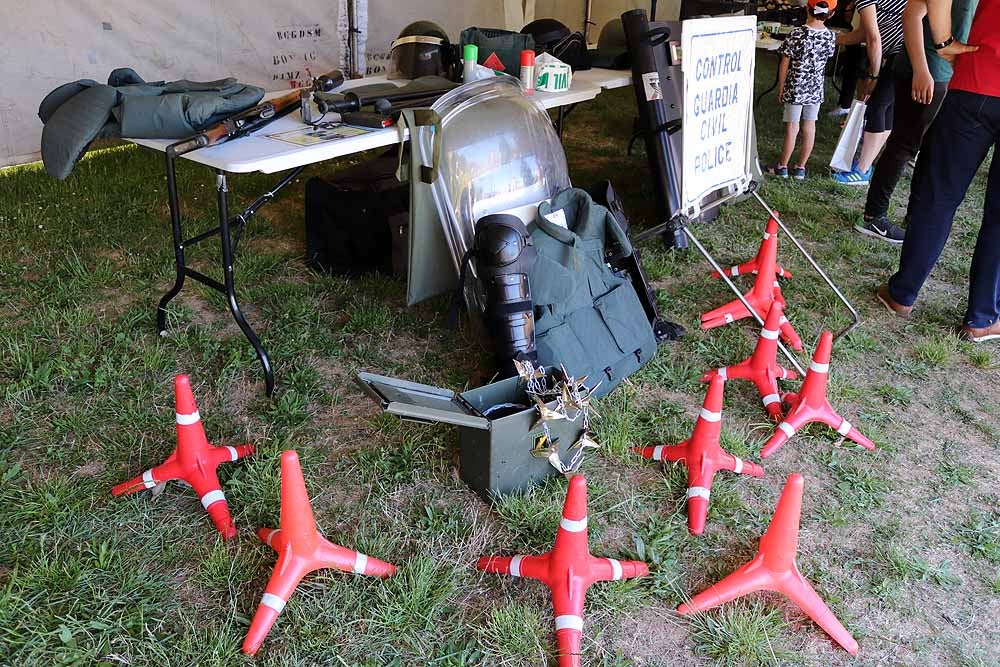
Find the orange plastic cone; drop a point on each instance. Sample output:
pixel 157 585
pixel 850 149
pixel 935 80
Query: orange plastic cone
pixel 301 550
pixel 703 456
pixel 811 404
pixel 568 570
pixel 193 461
pixel 774 569
pixel 762 367
pixel 765 291
pixel 752 265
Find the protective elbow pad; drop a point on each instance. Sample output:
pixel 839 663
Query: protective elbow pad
pixel 504 256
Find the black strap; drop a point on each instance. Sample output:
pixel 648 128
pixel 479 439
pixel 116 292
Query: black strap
pixel 658 35
pixel 458 301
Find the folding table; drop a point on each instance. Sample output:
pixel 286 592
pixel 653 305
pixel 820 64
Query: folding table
pixel 259 153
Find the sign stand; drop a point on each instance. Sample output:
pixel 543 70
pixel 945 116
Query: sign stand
pixel 718 67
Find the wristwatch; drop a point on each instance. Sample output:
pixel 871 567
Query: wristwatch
pixel 944 44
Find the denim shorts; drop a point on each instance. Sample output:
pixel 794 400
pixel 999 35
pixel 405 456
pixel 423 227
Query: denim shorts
pixel 796 112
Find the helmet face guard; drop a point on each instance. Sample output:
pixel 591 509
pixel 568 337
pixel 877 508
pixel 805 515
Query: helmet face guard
pixel 419 55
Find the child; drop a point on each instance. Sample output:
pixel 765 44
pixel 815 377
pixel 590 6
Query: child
pixel 800 83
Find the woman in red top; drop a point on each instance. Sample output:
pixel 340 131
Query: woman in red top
pixel 956 145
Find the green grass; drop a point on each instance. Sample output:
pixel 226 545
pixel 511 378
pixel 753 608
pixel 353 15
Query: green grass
pixel 85 402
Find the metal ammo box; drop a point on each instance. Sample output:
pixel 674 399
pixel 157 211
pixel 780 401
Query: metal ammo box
pixel 495 454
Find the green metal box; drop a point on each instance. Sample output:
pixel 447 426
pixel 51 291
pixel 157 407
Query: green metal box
pixel 495 454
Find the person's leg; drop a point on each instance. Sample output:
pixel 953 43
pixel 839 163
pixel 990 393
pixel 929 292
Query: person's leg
pixel 910 122
pixel 984 274
pixel 808 140
pixel 956 144
pixel 880 122
pixel 791 132
pixel 849 82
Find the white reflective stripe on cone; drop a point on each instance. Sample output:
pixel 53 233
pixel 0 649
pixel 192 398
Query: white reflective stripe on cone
pixel 569 622
pixel 187 420
pixel 658 452
pixel 738 465
pixel 776 284
pixel 784 373
pixel 769 334
pixel 819 368
pixel 515 565
pixel 766 236
pixel 147 479
pixel 783 320
pixel 735 271
pixel 771 398
pixel 233 454
pixel 212 497
pixel 272 601
pixel 710 416
pixel 270 536
pixel 728 318
pixel 616 569
pixel 360 563
pixel 573 526
pixel 845 428
pixel 699 492
pixel 787 428
pixel 723 373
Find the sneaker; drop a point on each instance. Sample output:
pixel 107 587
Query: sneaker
pixel 982 334
pixel 854 177
pixel 775 170
pixel 838 112
pixel 799 173
pixel 880 228
pixel 890 304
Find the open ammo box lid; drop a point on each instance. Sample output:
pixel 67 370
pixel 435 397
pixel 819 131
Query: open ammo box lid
pixel 421 402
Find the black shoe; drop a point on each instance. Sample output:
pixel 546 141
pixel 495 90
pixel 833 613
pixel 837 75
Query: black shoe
pixel 880 228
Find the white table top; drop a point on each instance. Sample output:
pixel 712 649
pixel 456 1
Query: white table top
pixel 769 44
pixel 605 79
pixel 257 152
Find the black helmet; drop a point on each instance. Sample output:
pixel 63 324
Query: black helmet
pixel 552 36
pixel 422 49
pixel 612 49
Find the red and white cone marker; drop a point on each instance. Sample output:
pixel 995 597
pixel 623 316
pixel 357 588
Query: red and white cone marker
pixel 774 569
pixel 762 367
pixel 193 461
pixel 568 570
pixel 301 550
pixel 752 265
pixel 703 456
pixel 811 404
pixel 765 291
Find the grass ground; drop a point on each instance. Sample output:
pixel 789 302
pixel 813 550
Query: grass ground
pixel 903 543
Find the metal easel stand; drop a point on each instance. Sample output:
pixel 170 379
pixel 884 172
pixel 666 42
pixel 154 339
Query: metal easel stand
pixel 680 223
pixel 229 232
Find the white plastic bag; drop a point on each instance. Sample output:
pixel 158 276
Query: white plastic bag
pixel 850 137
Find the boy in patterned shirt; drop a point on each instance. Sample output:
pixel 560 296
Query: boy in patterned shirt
pixel 800 84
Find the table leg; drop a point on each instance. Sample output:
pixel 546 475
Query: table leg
pixel 175 223
pixel 229 281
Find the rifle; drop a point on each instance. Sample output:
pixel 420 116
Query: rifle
pixel 252 119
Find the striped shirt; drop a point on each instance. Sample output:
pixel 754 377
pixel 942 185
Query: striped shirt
pixel 889 16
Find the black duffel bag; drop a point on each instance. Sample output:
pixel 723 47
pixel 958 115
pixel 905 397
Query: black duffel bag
pixel 358 221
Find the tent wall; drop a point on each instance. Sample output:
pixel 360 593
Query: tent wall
pixel 275 45
pixel 572 12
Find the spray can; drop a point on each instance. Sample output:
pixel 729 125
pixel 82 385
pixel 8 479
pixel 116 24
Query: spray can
pixel 528 71
pixel 470 55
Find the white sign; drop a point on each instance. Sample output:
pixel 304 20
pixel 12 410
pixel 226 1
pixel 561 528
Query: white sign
pixel 718 66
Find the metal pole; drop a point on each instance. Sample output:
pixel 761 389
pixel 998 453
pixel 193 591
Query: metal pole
pixel 812 262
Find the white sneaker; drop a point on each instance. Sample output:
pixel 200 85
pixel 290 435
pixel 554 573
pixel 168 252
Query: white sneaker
pixel 838 112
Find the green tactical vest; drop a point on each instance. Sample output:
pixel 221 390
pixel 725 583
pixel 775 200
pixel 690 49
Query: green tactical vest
pixel 587 319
